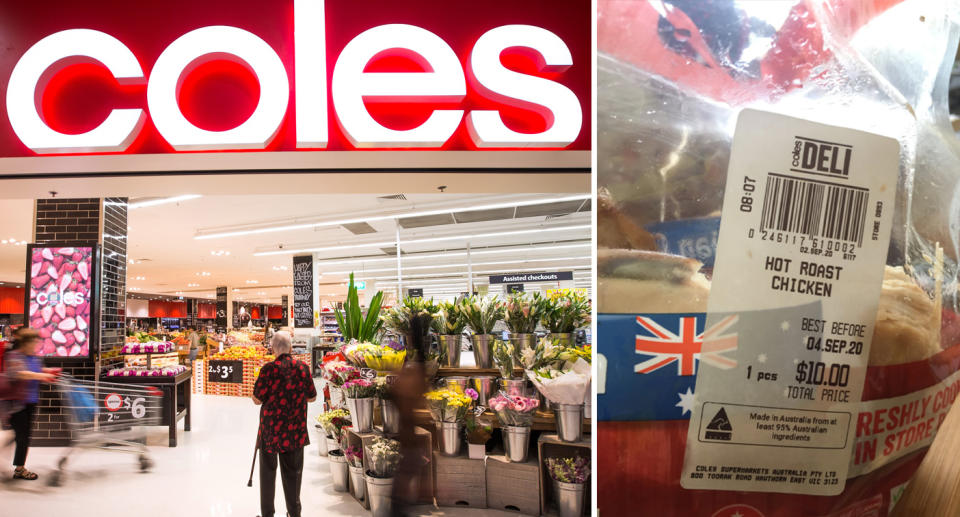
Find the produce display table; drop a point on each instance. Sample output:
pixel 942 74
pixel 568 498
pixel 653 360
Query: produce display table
pixel 176 398
pixel 244 388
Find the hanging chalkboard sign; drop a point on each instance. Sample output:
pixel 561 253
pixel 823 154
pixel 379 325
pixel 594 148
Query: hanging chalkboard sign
pixel 303 291
pixel 221 320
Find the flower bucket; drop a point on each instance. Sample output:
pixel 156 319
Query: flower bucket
pixel 390 415
pixel 521 342
pixel 569 419
pixel 379 493
pixel 457 383
pixel 336 397
pixel 569 498
pixel 514 387
pixel 516 440
pixel 361 414
pixel 449 438
pixel 358 484
pixel 484 385
pixel 339 470
pixel 483 350
pixel 332 444
pixel 451 344
pixel 322 441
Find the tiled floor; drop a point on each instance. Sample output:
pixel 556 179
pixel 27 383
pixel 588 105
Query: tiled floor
pixel 206 475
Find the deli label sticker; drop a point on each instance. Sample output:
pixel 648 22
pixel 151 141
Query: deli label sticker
pixel 804 232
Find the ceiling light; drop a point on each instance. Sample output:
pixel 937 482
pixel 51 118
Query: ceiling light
pixel 252 282
pixel 518 261
pixel 367 219
pixel 279 268
pixel 140 278
pixel 429 239
pixel 162 201
pixel 193 285
pixel 527 249
pixel 203 273
pixel 220 253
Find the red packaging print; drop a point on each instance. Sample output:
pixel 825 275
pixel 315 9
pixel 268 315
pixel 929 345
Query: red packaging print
pixel 673 77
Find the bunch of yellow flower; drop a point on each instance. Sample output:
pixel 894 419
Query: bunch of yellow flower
pixel 449 405
pixel 357 353
pixel 385 359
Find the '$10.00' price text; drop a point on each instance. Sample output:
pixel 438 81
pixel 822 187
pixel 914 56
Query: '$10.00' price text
pixel 831 379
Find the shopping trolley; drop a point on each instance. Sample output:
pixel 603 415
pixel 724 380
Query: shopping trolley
pixel 109 416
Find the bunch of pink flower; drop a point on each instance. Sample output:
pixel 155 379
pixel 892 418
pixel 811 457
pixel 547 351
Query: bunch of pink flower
pixel 339 372
pixel 514 410
pixel 359 389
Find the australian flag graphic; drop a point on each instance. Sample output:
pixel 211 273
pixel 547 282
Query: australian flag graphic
pixel 648 363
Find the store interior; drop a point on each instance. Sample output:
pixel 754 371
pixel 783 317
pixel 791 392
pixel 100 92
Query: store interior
pixel 434 253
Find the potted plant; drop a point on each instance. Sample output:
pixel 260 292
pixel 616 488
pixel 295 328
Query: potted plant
pixel 522 312
pixel 449 408
pixel 334 422
pixel 562 374
pixel 383 457
pixel 359 394
pixel 354 326
pixel 451 323
pixel 516 418
pixel 565 313
pixel 569 476
pixel 354 457
pixel 412 319
pixel 482 314
pixel 336 373
pixel 503 357
pixel 478 433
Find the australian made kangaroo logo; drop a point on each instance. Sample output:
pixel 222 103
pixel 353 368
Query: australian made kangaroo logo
pixel 719 427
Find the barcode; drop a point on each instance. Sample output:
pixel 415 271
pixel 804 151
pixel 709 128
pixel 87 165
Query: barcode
pixel 814 208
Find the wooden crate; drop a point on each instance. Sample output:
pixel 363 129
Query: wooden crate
pixel 550 446
pixel 424 447
pixel 513 486
pixel 461 481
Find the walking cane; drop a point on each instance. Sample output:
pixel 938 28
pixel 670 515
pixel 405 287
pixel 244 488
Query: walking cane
pixel 253 465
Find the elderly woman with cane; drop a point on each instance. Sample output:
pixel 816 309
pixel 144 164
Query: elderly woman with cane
pixel 284 388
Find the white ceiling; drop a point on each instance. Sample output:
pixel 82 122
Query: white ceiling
pixel 162 237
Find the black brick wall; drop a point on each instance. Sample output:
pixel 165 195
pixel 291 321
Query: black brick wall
pixel 104 221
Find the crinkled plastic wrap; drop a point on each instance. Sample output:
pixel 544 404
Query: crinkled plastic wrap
pixel 673 77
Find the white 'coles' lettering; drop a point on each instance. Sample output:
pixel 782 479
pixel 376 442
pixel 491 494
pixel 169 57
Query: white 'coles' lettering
pixel 444 80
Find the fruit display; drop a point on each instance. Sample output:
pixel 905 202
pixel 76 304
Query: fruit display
pixel 142 337
pixel 241 352
pixel 169 371
pixel 154 361
pixel 59 300
pixel 149 347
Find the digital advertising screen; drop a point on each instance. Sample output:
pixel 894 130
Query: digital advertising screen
pixel 62 298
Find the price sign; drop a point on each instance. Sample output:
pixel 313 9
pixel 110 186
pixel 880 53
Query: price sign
pixel 225 371
pixel 479 410
pixel 125 408
pixel 368 373
pixel 392 379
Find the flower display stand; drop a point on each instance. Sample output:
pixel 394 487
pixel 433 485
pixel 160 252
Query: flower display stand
pixel 513 486
pixel 424 446
pixel 461 481
pixel 550 446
